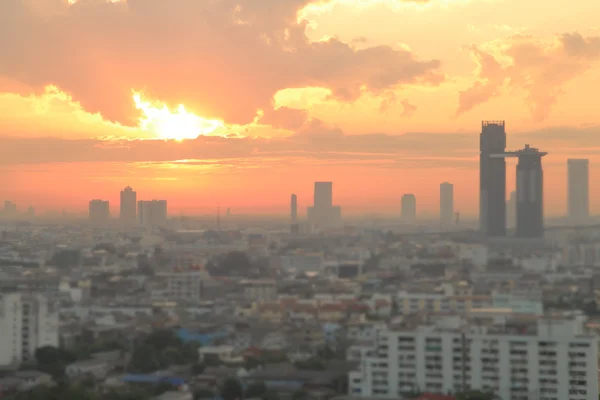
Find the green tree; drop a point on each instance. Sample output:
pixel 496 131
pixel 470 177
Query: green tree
pixel 231 389
pixel 300 395
pixel 270 395
pixel 255 390
pixel 475 395
pixel 203 394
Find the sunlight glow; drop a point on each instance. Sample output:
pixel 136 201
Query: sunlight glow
pixel 166 124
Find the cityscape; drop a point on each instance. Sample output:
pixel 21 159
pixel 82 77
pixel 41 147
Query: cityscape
pixel 299 200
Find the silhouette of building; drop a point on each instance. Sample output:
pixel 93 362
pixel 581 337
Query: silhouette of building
pixel 152 212
pixel 446 204
pixel 511 210
pixel 492 179
pixel 10 208
pixel 530 191
pixel 128 206
pixel 409 208
pixel 294 214
pixel 578 201
pixel 323 196
pixel 323 213
pixel 99 211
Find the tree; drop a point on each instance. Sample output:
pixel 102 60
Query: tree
pixel 203 394
pixel 66 258
pixel 300 395
pixel 270 395
pixel 255 390
pixel 475 395
pixel 231 389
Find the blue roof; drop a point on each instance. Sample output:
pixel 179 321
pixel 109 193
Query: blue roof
pixel 138 378
pixel 203 338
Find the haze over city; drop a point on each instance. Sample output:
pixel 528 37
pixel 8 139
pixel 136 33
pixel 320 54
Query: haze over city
pixel 241 103
pixel 299 200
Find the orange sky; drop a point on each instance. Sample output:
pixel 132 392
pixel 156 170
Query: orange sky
pixel 383 97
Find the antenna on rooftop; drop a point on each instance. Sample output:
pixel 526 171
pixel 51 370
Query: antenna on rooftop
pixel 219 217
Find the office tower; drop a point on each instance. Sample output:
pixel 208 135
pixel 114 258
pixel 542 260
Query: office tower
pixel 152 212
pixel 31 211
pixel 409 208
pixel 294 209
pixel 294 214
pixel 10 208
pixel 492 179
pixel 128 211
pixel 28 321
pixel 578 202
pixel 99 211
pixel 530 191
pixel 511 210
pixel 446 204
pixel 451 353
pixel 323 213
pixel 323 196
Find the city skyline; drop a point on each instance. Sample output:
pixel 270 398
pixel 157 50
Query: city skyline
pixel 390 112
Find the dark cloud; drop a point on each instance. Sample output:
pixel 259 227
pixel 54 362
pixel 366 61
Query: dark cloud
pixel 221 58
pixel 316 141
pixel 540 69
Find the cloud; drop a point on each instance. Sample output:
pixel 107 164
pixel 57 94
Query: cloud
pixel 315 141
pixel 521 62
pixel 223 59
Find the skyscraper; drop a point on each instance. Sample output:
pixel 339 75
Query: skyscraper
pixel 99 211
pixel 409 208
pixel 511 210
pixel 294 209
pixel 530 191
pixel 323 196
pixel 294 214
pixel 492 179
pixel 323 213
pixel 446 204
pixel 128 211
pixel 578 202
pixel 152 212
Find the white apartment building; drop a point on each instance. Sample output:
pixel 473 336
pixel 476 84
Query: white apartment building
pixel 533 358
pixel 27 322
pixel 185 285
pixel 260 290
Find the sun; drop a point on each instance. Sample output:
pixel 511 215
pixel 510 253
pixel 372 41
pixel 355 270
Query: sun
pixel 172 125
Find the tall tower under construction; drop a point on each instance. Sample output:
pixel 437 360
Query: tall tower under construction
pixel 492 179
pixel 530 191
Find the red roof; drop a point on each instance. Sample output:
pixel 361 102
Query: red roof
pixel 432 396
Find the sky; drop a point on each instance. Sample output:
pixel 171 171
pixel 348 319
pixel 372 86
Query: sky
pixel 243 102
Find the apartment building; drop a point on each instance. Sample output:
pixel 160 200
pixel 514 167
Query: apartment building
pixel 519 358
pixel 259 290
pixel 27 321
pixel 445 298
pixel 185 284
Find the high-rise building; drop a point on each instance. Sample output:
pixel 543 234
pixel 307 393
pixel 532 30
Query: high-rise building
pixel 516 358
pixel 578 201
pixel 152 212
pixel 28 321
pixel 323 213
pixel 511 210
pixel 128 206
pixel 99 211
pixel 294 209
pixel 323 196
pixel 10 208
pixel 294 214
pixel 446 204
pixel 530 191
pixel 492 179
pixel 409 208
